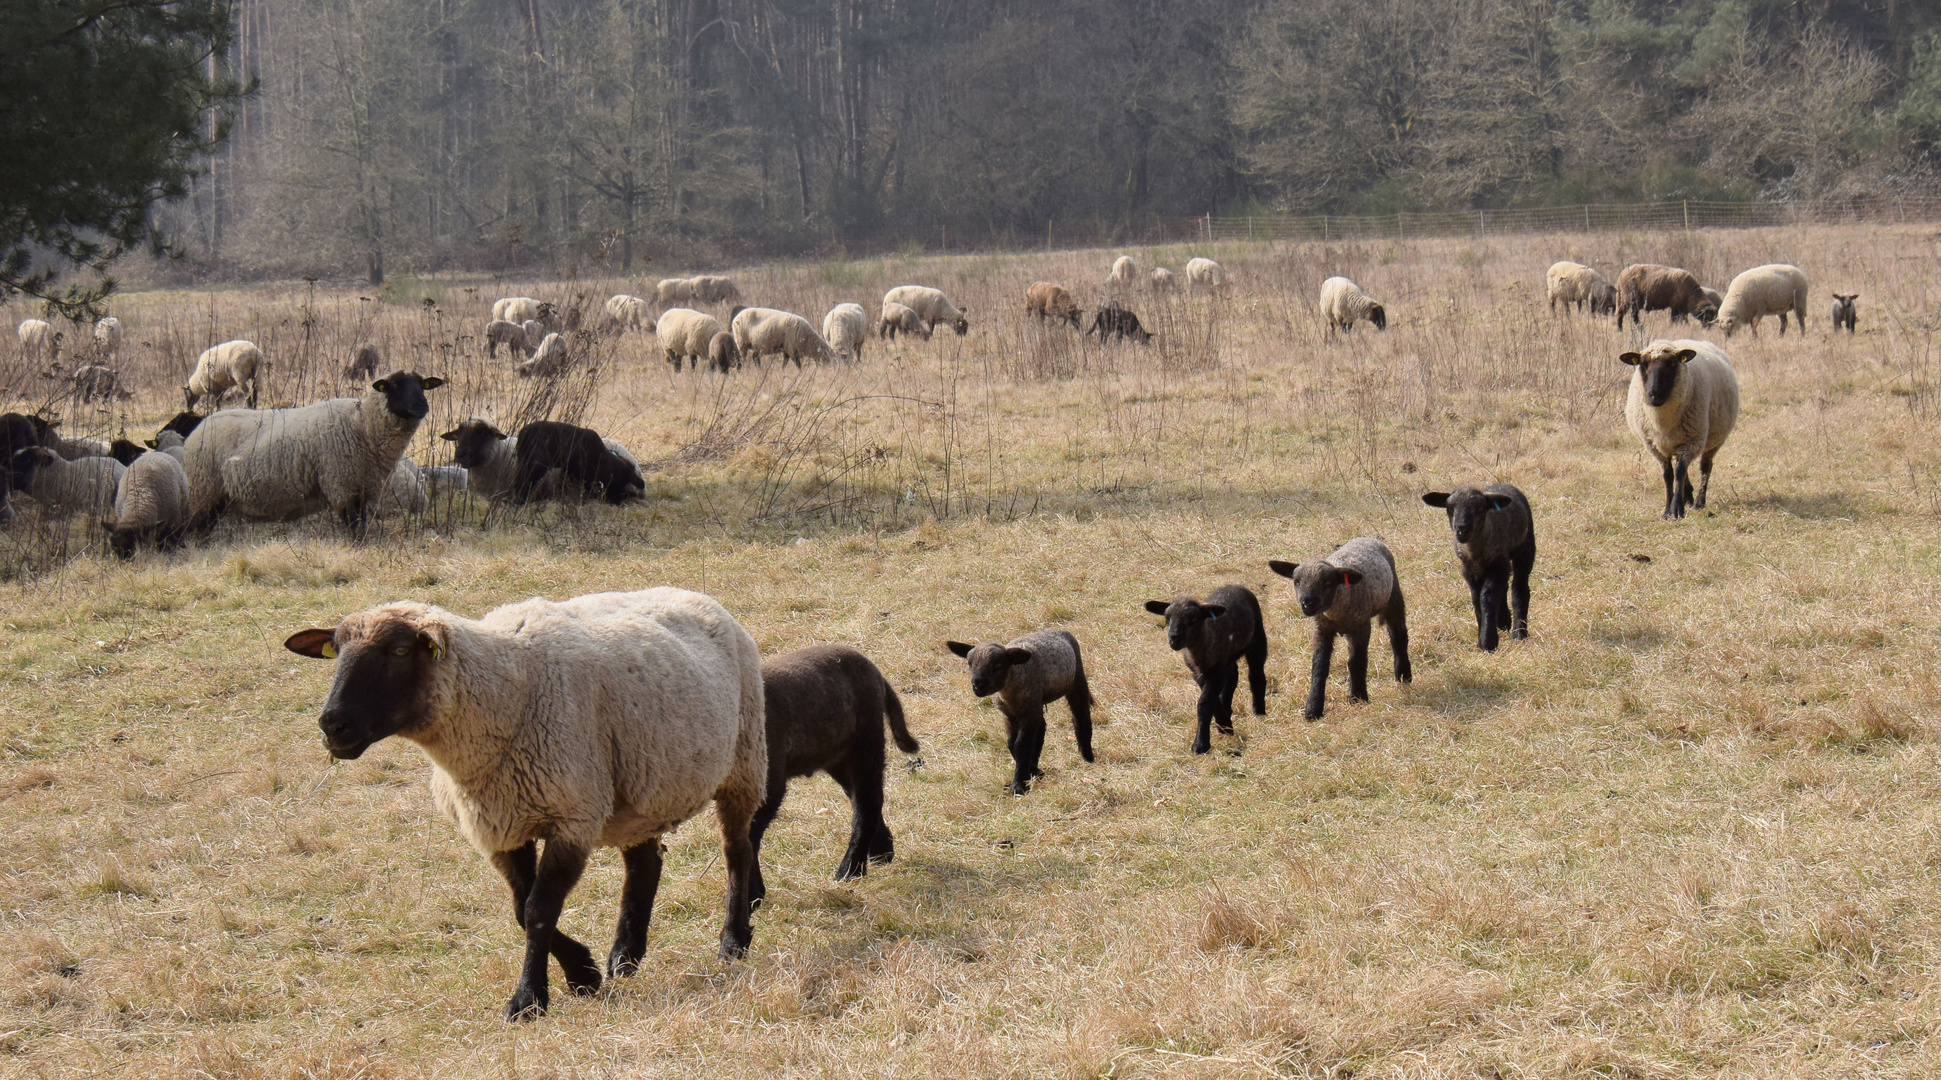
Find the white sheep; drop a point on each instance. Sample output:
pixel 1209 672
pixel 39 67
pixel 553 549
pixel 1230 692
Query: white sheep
pixel 107 336
pixel 516 309
pixel 1205 274
pixel 404 491
pixel 1343 302
pixel 760 331
pixel 151 503
pixel 931 305
pixel 547 361
pixel 1683 402
pixel 714 289
pixel 897 319
pixel 510 334
pixel 1570 283
pixel 222 368
pixel 1774 289
pixel 1162 280
pixel 601 721
pixel 845 328
pixel 674 291
pixel 40 341
pixel 85 485
pixel 535 332
pixel 76 447
pixel 1121 276
pixel 684 334
pixel 629 313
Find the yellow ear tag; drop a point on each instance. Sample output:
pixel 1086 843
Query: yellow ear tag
pixel 437 653
pixel 329 650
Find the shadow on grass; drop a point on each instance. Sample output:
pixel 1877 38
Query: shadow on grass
pixel 1816 505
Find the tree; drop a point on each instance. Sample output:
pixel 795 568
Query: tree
pixel 105 108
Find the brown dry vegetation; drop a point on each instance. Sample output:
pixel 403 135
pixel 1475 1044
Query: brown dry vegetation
pixel 1688 828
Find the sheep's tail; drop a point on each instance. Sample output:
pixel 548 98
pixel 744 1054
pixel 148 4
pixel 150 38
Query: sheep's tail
pixel 893 708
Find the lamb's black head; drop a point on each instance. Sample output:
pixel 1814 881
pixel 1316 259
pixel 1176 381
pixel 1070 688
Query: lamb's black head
pixel 962 325
pixel 1467 506
pixel 1843 302
pixel 619 480
pixel 473 442
pixel 126 450
pixel 1659 368
pixel 386 662
pixel 404 393
pixel 182 423
pixel 1184 618
pixel 990 664
pixel 1379 316
pixel 1315 582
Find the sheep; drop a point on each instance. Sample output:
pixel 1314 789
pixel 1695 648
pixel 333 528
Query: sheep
pixel 182 423
pixel 1843 315
pixel 760 331
pixel 1712 297
pixel 151 504
pixel 500 332
pixel 825 709
pixel 723 354
pixel 1121 276
pixel 404 491
pixel 547 361
pixel 96 381
pixel 1344 304
pixel 684 335
pixel 898 319
pixel 712 289
pixel 580 455
pixel 535 332
pixel 169 442
pixel 672 291
pixel 107 336
pixel 1205 274
pixel 1215 635
pixel 516 309
pixel 845 329
pixel 281 464
pixel 1342 594
pixel 364 361
pixel 1773 289
pixel 1683 402
pixel 223 368
pixel 20 441
pixel 489 458
pixel 84 485
pixel 1050 300
pixel 629 313
pixel 40 341
pixel 1162 280
pixel 1571 283
pixel 601 721
pixel 1026 675
pixel 1650 287
pixel 1113 321
pixel 76 447
pixel 1496 542
pixel 931 306
pixel 1603 298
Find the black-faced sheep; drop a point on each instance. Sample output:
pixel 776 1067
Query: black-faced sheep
pixel 1026 675
pixel 1683 402
pixel 1649 287
pixel 898 319
pixel 845 329
pixel 1774 289
pixel 1215 636
pixel 1603 298
pixel 1843 314
pixel 126 450
pixel 582 457
pixel 1343 594
pixel 151 504
pixel 826 705
pixel 1496 541
pixel 1113 322
pixel 602 721
pixel 222 368
pixel 1344 304
pixel 20 436
pixel 932 306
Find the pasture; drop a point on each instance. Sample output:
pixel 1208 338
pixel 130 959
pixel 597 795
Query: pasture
pixel 1687 828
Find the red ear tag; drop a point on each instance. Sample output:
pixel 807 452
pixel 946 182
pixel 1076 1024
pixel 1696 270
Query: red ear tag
pixel 1344 579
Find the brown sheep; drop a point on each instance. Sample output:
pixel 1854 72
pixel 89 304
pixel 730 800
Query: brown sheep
pixel 1650 287
pixel 723 353
pixel 1050 300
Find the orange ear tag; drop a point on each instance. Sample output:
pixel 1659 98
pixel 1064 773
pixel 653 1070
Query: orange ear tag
pixel 1344 579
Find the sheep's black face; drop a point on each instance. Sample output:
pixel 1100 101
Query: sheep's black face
pixel 183 424
pixel 473 443
pixel 1468 507
pixel 990 664
pixel 404 393
pixel 381 685
pixel 962 326
pixel 1184 618
pixel 1378 316
pixel 1659 372
pixel 1315 583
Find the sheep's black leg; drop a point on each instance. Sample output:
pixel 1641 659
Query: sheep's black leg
pixel 1704 479
pixel 1782 324
pixel 1475 581
pixel 1520 565
pixel 636 907
pixel 1034 743
pixel 1027 742
pixel 758 827
pixel 1489 604
pixel 1079 698
pixel 1672 509
pixel 1257 670
pixel 1684 496
pixel 1223 704
pixel 1396 618
pixel 1209 696
pixel 1317 694
pixel 1358 663
pixel 734 812
pixel 559 870
pixel 869 837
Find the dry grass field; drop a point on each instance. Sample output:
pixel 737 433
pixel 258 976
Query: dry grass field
pixel 1687 828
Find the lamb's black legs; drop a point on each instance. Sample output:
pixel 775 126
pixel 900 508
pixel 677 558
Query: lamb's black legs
pixel 1487 594
pixel 1396 618
pixel 543 894
pixel 1256 670
pixel 1358 663
pixel 1026 737
pixel 636 907
pixel 757 827
pixel 1216 704
pixel 1079 697
pixel 1520 566
pixel 869 836
pixel 1317 694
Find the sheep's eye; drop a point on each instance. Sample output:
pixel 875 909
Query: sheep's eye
pixel 401 650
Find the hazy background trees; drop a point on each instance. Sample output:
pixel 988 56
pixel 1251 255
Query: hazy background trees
pixel 499 134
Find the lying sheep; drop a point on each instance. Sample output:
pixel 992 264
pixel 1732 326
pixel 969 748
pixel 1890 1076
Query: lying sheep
pixel 151 504
pixel 684 335
pixel 1026 675
pixel 1124 271
pixel 107 336
pixel 761 331
pixel 931 306
pixel 1496 542
pixel 1162 280
pixel 1683 402
pixel 582 457
pixel 1843 315
pixel 404 491
pixel 85 485
pixel 845 329
pixel 1113 322
pixel 516 309
pixel 500 332
pixel 1650 287
pixel 1344 304
pixel 364 361
pixel 1204 274
pixel 282 464
pixel 629 313
pixel 223 368
pixel 1571 283
pixel 548 361
pixel 602 721
pixel 825 709
pixel 898 319
pixel 724 355
pixel 1342 594
pixel 1774 289
pixel 1215 635
pixel 40 341
pixel 1050 300
pixel 490 460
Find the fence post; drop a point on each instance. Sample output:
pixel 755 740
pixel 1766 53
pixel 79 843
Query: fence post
pixel 1250 226
pixel 1482 224
pixel 1324 228
pixel 1209 227
pixel 1587 217
pixel 1687 204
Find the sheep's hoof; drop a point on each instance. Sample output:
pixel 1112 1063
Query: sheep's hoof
pixel 621 964
pixel 525 1005
pixel 733 948
pixel 1202 747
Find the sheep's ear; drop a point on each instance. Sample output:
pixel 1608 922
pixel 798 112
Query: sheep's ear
pixel 434 383
pixel 1685 355
pixel 1350 577
pixel 1437 499
pixel 1214 611
pixel 150 443
pixel 958 647
pixel 1500 502
pixel 382 386
pixel 316 644
pixel 1282 567
pixel 449 436
pixel 1017 656
pixel 1157 607
pixel 434 639
pixel 1630 358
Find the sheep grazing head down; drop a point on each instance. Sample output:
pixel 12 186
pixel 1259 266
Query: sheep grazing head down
pixel 385 667
pixel 1659 368
pixel 1378 316
pixel 1467 506
pixel 404 393
pixel 1315 582
pixel 962 325
pixel 473 443
pixel 1184 617
pixel 990 664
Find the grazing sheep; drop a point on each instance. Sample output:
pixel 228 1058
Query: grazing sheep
pixel 712 289
pixel 1650 287
pixel 760 331
pixel 672 291
pixel 107 336
pixel 1050 300
pixel 93 382
pixel 1342 593
pixel 1115 322
pixel 825 709
pixel 85 485
pixel 535 332
pixel 1204 274
pixel 1162 280
pixel 1774 289
pixel 500 332
pixel 1712 296
pixel 151 504
pixel 364 361
pixel 684 334
pixel 1603 298
pixel 931 306
pixel 1683 402
pixel 845 329
pixel 1571 283
pixel 549 360
pixel 723 353
pixel 1843 316
pixel 1344 304
pixel 1496 542
pixel 1215 635
pixel 601 721
pixel 40 341
pixel 1121 276
pixel 182 423
pixel 898 319
pixel 580 455
pixel 1026 675
pixel 282 464
pixel 629 313
pixel 516 309
pixel 222 368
